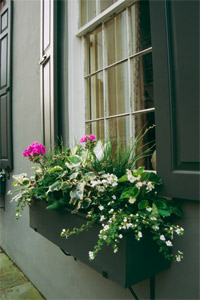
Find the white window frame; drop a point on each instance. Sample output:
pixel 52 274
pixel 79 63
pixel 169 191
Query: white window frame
pixel 76 50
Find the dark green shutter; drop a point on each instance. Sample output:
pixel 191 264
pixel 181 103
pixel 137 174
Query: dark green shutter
pixel 48 72
pixel 5 88
pixel 175 41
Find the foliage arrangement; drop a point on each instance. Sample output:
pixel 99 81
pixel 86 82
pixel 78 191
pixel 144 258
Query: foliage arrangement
pixel 102 182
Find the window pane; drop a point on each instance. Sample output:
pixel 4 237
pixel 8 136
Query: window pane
pixel 94 50
pixel 142 82
pixel 140 123
pixel 96 128
pixel 117 89
pixel 105 4
pixel 95 103
pixel 118 129
pixel 88 11
pixel 140 27
pixel 116 39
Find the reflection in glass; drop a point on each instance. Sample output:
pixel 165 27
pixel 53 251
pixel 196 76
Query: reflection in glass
pixel 95 128
pixel 94 97
pixel 142 82
pixel 87 10
pixel 117 89
pixel 140 27
pixel 118 129
pixel 141 122
pixel 94 50
pixel 105 4
pixel 116 39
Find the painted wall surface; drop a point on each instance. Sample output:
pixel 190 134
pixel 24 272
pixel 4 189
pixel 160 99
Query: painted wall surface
pixel 54 274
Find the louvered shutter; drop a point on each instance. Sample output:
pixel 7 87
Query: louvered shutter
pixel 5 88
pixel 175 41
pixel 48 72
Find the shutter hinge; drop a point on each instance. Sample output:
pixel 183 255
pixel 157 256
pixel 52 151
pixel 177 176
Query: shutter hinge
pixel 44 60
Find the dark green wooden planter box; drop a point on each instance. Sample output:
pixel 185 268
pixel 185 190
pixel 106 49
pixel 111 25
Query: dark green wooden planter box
pixel 2 186
pixel 134 262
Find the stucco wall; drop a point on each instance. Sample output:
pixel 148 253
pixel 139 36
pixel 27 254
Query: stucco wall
pixel 54 274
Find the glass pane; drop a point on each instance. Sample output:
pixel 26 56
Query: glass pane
pixel 94 97
pixel 105 4
pixel 140 123
pixel 116 39
pixel 140 27
pixel 94 51
pixel 87 11
pixel 118 129
pixel 117 90
pixel 142 82
pixel 95 128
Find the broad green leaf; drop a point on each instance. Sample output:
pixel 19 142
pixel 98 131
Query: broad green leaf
pixel 154 212
pixel 143 204
pixel 134 192
pixel 55 186
pixel 150 176
pixel 160 204
pixel 177 211
pixel 73 161
pixel 164 212
pixel 77 193
pixel 138 172
pixel 54 169
pixel 124 178
pixel 73 176
pixel 54 205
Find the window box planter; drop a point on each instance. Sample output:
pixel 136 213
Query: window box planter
pixel 134 262
pixel 2 184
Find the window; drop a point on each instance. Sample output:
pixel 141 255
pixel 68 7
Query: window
pixel 118 70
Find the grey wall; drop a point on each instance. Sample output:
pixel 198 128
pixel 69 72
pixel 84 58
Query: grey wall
pixel 54 274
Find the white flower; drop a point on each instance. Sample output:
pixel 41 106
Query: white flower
pixel 149 209
pixel 114 197
pixel 168 243
pixel 120 236
pixel 129 225
pixel 101 207
pixel 110 211
pixel 156 228
pixel 139 234
pixel 139 184
pixel 180 252
pixel 131 200
pixel 105 237
pixel 128 172
pixel 178 258
pixel 63 230
pixel 115 250
pixel 114 184
pixel 102 218
pixel 106 227
pixel 162 237
pixel 153 218
pixel 131 178
pixel 150 186
pixel 91 255
pixel 125 220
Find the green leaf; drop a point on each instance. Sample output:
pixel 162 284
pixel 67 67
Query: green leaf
pixel 56 186
pixel 164 212
pixel 143 204
pixel 54 169
pixel 154 212
pixel 150 176
pixel 160 204
pixel 73 161
pixel 134 192
pixel 54 205
pixel 77 193
pixel 138 172
pixel 124 178
pixel 177 212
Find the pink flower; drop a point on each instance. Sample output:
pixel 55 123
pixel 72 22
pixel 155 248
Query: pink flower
pixel 34 149
pixel 92 137
pixel 84 139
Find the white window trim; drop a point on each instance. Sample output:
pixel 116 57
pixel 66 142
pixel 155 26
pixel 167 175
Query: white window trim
pixel 104 16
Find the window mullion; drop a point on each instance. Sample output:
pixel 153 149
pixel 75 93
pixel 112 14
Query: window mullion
pixel 129 66
pixel 104 78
